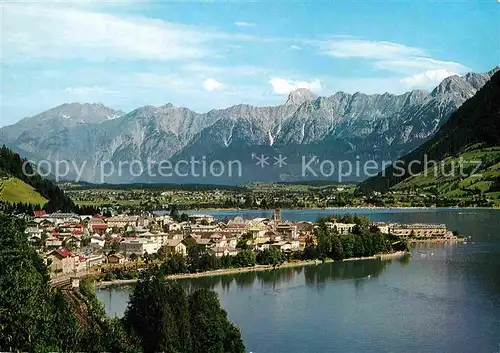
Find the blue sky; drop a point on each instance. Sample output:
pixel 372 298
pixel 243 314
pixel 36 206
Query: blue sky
pixel 207 55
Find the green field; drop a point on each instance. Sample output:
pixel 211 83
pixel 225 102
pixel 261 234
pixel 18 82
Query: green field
pixel 442 181
pixel 14 190
pixel 97 203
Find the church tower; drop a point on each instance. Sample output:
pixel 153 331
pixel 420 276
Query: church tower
pixel 277 215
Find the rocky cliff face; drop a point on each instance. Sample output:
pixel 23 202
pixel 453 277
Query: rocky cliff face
pixel 341 125
pixel 300 96
pixel 475 124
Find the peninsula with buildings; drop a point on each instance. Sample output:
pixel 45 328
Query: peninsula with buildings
pixel 84 245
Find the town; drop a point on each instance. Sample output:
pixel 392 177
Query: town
pixel 83 244
pixel 303 195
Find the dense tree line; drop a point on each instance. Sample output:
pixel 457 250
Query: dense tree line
pixel 495 186
pixel 28 208
pixel 18 208
pixel 176 322
pixel 364 240
pixel 201 260
pixel 30 314
pixel 11 164
pixel 160 315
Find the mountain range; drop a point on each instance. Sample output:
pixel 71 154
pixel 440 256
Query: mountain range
pixel 356 127
pixel 470 138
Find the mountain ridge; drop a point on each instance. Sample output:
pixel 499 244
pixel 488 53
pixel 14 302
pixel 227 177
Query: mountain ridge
pixel 368 125
pixel 474 125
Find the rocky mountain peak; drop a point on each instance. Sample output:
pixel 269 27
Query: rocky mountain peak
pixel 465 86
pixel 300 96
pixel 450 84
pixel 80 113
pixel 494 70
pixel 168 106
pixel 417 96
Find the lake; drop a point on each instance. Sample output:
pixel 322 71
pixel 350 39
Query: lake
pixel 444 298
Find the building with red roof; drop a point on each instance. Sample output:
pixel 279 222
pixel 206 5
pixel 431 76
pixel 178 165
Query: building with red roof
pixel 99 228
pixel 39 213
pixel 77 233
pixel 62 261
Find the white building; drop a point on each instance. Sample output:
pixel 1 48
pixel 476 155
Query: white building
pixel 201 218
pixel 224 251
pixel 122 221
pixel 139 246
pixel 98 240
pixel 341 228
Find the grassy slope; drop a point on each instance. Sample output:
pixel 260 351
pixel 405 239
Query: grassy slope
pixel 14 190
pixel 458 186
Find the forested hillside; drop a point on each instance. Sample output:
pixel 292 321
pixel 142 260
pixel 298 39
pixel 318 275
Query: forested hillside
pixel 11 169
pixel 475 125
pixel 161 316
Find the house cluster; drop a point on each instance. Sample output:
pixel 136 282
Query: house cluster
pixel 73 243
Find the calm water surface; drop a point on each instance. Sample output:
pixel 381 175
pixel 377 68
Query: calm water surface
pixel 444 298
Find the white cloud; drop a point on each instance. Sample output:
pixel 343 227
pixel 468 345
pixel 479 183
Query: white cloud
pixel 427 78
pixel 294 47
pixel 357 48
pixel 33 31
pixel 284 86
pixel 410 65
pixel 244 24
pixel 387 56
pixel 211 85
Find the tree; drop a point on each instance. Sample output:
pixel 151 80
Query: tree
pixel 174 213
pixel 324 241
pixel 270 256
pixel 146 257
pixel 25 321
pixel 242 244
pixel 348 245
pixel 149 314
pixel 184 217
pixel 178 301
pixel 102 333
pixel 310 251
pixel 115 246
pixel 133 257
pixel 164 318
pixel 194 252
pixel 337 251
pixel 175 263
pixel 245 258
pixel 359 248
pixel 211 331
pixel 160 316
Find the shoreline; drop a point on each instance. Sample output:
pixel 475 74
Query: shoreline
pixel 436 241
pixel 256 268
